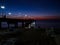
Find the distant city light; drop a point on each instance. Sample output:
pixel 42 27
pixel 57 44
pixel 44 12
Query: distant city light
pixel 33 24
pixel 9 13
pixel 3 7
pixel 25 15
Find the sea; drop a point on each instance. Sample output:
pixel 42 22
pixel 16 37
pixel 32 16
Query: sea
pixel 48 23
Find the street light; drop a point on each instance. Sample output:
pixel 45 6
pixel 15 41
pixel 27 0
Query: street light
pixel 25 15
pixel 9 13
pixel 2 7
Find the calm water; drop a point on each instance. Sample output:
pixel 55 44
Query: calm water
pixel 48 23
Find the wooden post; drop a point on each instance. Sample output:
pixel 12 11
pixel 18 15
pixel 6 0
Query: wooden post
pixel 22 24
pixel 0 24
pixel 8 25
pixel 16 24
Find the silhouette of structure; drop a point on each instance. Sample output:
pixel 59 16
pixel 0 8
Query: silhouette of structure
pixel 25 22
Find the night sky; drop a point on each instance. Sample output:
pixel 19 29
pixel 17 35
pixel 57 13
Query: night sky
pixel 32 7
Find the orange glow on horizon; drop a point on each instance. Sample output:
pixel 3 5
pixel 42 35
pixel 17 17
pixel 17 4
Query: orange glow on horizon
pixel 34 17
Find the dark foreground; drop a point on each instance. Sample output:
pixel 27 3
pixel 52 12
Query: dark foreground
pixel 28 37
